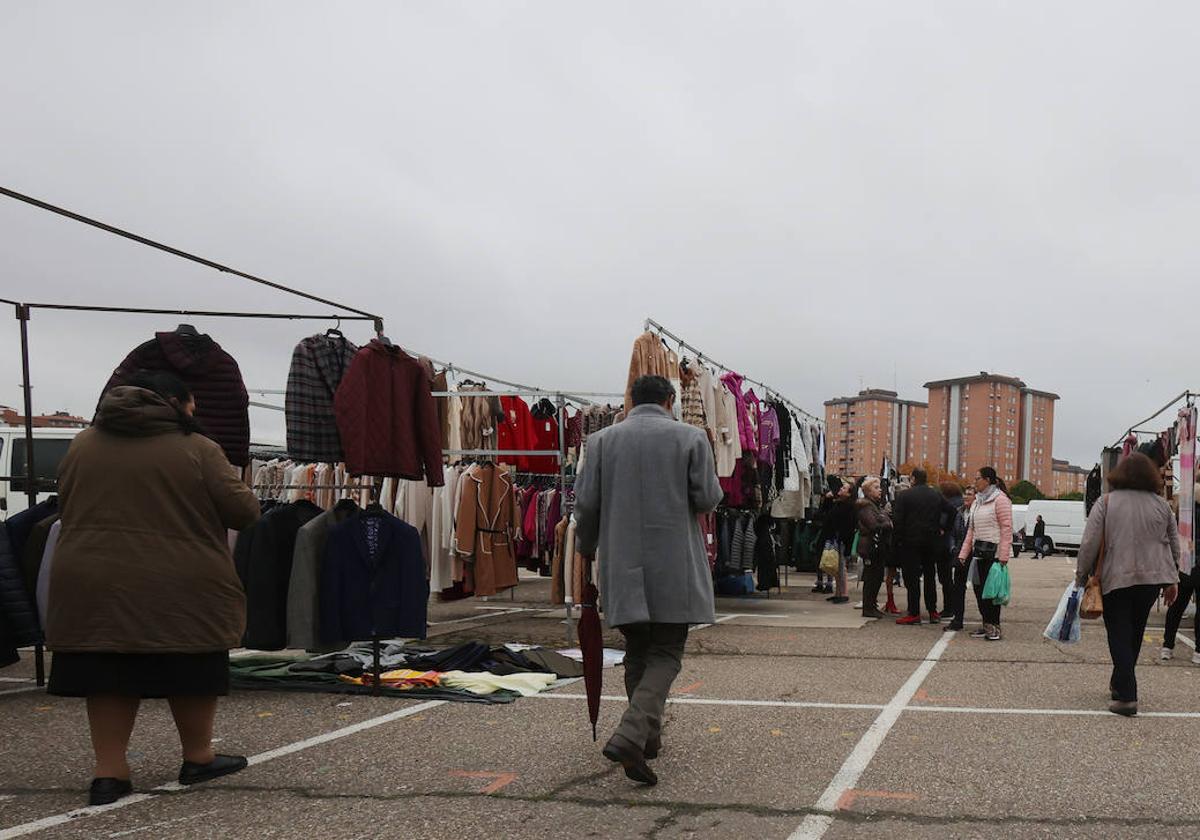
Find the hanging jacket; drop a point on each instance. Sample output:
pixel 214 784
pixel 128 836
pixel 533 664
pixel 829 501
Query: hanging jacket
pixel 17 612
pixel 746 433
pixel 265 569
pixel 515 432
pixel 318 364
pixel 387 417
pixel 373 581
pixel 650 357
pixel 487 525
pixel 213 377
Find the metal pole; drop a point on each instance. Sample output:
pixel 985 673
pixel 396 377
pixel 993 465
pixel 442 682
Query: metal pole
pixel 31 487
pixel 560 404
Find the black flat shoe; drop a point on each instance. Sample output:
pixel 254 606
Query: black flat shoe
pixel 108 791
pixel 223 765
pixel 632 759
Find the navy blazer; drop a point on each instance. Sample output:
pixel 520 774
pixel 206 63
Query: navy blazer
pixel 364 596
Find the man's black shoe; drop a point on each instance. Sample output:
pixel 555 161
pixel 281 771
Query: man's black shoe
pixel 619 751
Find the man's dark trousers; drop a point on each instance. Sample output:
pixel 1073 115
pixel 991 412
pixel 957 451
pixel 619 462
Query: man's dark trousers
pixel 653 659
pixel 920 565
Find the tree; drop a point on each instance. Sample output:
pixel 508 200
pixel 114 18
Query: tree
pixel 1023 492
pixel 1075 496
pixel 937 476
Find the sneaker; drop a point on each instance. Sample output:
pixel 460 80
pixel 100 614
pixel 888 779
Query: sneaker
pixel 839 599
pixel 909 620
pixel 819 588
pixel 1166 654
pixel 935 617
pixel 993 633
pixel 872 612
pixel 1125 708
pixel 979 634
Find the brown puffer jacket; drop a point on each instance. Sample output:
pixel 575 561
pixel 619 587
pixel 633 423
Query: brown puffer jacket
pixel 143 562
pixel 222 404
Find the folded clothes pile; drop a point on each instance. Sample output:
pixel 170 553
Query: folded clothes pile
pixel 471 672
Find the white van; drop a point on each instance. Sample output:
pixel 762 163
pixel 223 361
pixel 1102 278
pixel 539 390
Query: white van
pixel 1019 540
pixel 49 447
pixel 1064 523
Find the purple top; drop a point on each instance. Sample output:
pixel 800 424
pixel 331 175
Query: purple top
pixel 733 381
pixel 768 435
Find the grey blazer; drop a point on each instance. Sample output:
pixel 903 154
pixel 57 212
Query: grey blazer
pixel 636 504
pixel 304 587
pixel 1141 541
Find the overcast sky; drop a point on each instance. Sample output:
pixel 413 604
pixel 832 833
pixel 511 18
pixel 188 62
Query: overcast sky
pixel 825 195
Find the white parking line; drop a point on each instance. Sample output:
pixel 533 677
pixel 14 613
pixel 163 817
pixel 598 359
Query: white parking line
pixel 700 701
pixel 815 825
pixel 1186 641
pixel 22 690
pixel 261 758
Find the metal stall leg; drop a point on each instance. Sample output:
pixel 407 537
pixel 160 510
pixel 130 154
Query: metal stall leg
pixel 31 483
pixel 560 405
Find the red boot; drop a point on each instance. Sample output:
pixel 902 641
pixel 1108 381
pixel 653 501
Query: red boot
pixel 891 608
pixel 909 619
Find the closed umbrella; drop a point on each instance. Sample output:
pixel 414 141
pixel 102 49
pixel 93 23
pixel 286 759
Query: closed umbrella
pixel 591 643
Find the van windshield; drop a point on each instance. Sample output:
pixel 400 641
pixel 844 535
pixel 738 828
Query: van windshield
pixel 47 455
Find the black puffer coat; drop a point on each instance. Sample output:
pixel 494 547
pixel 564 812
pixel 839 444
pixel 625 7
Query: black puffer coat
pixel 17 611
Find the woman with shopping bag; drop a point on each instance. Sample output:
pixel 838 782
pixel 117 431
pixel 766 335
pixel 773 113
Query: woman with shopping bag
pixel 874 544
pixel 1130 551
pixel 989 541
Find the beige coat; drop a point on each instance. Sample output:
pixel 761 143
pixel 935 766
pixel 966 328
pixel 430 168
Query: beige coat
pixel 650 358
pixel 143 563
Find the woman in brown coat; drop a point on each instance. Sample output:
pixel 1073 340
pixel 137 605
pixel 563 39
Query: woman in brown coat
pixel 144 599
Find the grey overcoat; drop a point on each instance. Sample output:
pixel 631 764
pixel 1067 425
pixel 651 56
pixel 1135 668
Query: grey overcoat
pixel 643 484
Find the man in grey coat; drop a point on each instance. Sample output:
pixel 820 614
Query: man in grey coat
pixel 637 499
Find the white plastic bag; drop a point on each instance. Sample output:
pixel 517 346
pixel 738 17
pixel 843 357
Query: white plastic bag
pixel 1064 626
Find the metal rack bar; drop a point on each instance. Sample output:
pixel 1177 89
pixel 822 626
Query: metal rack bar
pixel 142 240
pixel 653 326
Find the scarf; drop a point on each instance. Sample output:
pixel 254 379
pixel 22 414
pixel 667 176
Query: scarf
pixel 988 495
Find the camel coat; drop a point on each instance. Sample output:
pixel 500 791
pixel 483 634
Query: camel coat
pixel 488 519
pixel 650 358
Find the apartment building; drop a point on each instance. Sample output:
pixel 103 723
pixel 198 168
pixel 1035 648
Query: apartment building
pixel 992 420
pixel 1068 478
pixel 862 430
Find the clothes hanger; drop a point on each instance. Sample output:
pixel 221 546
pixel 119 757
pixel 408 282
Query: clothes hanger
pixel 335 332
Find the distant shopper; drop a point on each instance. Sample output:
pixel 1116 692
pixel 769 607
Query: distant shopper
pixel 921 514
pixel 957 538
pixel 839 531
pixel 636 503
pixel 144 600
pixel 988 541
pixel 874 544
pixel 1141 559
pixel 1039 538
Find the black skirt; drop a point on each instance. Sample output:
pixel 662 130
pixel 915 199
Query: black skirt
pixel 146 675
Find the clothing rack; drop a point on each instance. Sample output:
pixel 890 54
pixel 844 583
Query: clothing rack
pixel 653 326
pixel 1188 396
pixel 24 312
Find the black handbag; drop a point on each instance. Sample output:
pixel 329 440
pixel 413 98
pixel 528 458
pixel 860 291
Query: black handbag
pixel 984 550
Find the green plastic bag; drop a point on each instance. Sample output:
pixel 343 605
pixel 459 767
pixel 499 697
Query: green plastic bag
pixel 998 587
pixel 854 545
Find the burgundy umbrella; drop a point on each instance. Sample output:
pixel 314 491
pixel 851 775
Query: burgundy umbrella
pixel 591 642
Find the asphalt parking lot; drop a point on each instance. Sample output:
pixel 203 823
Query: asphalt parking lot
pixel 792 718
